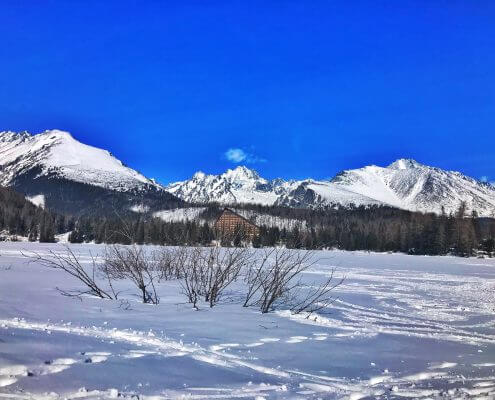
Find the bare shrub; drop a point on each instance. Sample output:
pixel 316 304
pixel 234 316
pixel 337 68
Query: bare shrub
pixel 185 261
pixel 165 264
pixel 69 263
pixel 207 272
pixel 255 276
pixel 275 279
pixel 220 267
pixel 140 267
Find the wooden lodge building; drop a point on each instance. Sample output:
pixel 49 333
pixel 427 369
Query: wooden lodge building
pixel 230 224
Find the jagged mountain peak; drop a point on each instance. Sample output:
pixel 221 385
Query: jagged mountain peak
pixel 405 163
pixel 199 175
pixel 241 172
pixel 48 135
pixel 10 136
pixel 238 185
pixel 57 134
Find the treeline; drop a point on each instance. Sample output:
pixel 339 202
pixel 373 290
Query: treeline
pixel 141 230
pixel 359 228
pixel 19 217
pixel 387 229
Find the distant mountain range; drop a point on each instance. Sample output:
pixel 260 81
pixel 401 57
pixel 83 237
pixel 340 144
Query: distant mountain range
pixel 55 170
pixel 404 184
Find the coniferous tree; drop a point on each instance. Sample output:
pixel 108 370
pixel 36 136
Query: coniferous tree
pixel 47 229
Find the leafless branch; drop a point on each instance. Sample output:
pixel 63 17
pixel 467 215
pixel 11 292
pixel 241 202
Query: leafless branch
pixel 69 263
pixel 134 263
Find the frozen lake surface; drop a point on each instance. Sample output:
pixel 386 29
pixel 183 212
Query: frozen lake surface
pixel 402 327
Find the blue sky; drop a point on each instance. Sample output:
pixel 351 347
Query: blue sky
pixel 293 88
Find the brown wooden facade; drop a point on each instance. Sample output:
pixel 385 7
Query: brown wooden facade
pixel 230 224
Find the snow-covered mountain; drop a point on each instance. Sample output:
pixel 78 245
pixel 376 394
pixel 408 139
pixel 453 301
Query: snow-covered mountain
pixel 404 184
pixel 56 170
pixel 411 185
pixel 241 185
pixel 58 153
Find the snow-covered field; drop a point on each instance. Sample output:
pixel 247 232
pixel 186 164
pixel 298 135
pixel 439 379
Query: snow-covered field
pixel 402 327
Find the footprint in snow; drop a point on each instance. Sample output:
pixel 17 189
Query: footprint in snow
pixel 8 375
pixel 96 357
pixel 11 374
pixel 53 366
pixel 48 369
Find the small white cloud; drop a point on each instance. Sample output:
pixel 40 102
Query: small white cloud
pixel 484 178
pixel 237 155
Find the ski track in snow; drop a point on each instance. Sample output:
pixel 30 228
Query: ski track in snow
pixel 217 356
pixel 438 307
pixel 161 346
pixel 165 347
pixel 410 305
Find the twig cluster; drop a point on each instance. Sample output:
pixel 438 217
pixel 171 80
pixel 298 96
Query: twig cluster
pixel 70 263
pixel 275 281
pixel 272 281
pixel 207 272
pixel 133 263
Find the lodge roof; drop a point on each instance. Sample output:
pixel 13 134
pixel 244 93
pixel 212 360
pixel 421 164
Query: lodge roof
pixel 237 215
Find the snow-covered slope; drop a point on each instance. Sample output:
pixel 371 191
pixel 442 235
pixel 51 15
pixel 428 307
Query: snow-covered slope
pixel 180 214
pixel 413 186
pixel 58 153
pixel 405 184
pixel 196 214
pixel 73 177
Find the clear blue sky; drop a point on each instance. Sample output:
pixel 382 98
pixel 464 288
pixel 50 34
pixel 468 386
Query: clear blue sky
pixel 303 88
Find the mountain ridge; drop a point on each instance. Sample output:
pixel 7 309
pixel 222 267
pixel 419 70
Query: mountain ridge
pixel 57 151
pixel 55 170
pixel 405 183
pixel 72 177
